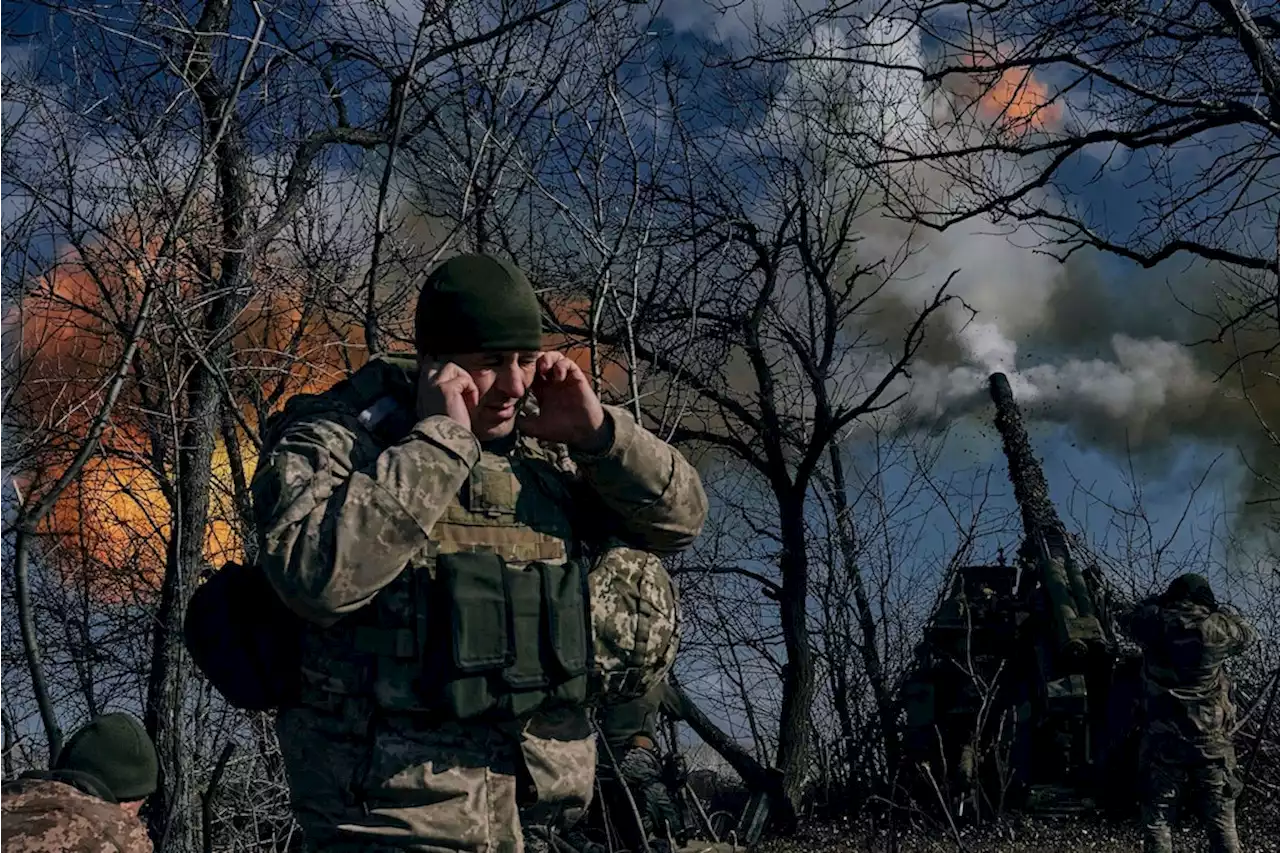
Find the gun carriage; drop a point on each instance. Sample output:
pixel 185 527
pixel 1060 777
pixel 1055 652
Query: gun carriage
pixel 1022 694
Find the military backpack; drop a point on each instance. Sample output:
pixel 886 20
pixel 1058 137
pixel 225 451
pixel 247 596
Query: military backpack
pixel 244 639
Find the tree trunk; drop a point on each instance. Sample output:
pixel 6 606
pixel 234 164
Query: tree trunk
pixel 835 638
pixel 10 744
pixel 844 714
pixel 797 677
pixel 168 809
pixel 241 495
pixel 31 644
pixel 677 703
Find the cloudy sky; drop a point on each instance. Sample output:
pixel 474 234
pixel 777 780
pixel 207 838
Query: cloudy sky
pixel 1095 349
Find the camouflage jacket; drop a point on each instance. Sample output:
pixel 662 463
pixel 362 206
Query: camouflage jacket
pixel 351 491
pixel 43 815
pixel 1185 690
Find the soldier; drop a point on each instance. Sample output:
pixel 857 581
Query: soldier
pixel 636 780
pixel 89 802
pixel 431 529
pixel 1185 638
pixel 631 759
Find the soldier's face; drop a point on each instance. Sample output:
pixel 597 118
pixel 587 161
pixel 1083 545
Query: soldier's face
pixel 502 379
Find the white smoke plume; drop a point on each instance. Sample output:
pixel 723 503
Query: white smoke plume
pixel 1140 392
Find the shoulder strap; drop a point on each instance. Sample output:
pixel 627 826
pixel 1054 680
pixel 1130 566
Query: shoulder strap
pixel 591 522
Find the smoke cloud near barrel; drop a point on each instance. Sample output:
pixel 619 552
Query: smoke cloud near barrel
pixel 1129 360
pixel 1137 377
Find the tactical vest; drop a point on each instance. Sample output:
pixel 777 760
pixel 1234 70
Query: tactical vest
pixel 488 620
pixel 1187 691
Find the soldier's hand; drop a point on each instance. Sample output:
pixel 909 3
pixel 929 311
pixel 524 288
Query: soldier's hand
pixel 447 389
pixel 568 410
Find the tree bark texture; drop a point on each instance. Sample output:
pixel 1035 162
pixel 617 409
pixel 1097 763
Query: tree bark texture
pixel 168 817
pixel 31 645
pixel 169 813
pixel 797 676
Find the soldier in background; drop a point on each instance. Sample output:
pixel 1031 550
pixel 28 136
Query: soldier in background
pixel 419 518
pixel 632 759
pixel 89 801
pixel 637 780
pixel 1185 638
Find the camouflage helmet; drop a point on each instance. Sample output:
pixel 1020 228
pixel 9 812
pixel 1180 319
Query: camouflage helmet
pixel 635 623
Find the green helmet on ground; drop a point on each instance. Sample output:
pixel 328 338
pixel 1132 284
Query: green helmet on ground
pixel 635 623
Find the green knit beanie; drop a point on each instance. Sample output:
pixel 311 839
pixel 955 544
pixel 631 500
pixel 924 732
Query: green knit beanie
pixel 116 750
pixel 477 303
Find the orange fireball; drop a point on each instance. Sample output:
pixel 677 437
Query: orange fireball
pixel 110 529
pixel 1020 102
pixel 1013 99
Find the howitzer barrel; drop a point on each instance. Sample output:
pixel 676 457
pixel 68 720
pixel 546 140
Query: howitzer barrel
pixel 1030 488
pixel 1045 546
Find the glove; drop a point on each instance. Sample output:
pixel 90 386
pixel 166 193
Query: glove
pixel 675 771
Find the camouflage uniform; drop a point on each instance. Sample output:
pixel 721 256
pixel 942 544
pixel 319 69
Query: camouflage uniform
pixel 1189 716
pixel 629 732
pixel 628 735
pixel 53 813
pixel 355 503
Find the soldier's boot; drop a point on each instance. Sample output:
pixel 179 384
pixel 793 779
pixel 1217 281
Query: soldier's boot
pixel 580 842
pixel 1157 837
pixel 540 839
pixel 1160 787
pixel 536 840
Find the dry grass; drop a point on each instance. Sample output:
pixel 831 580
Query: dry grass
pixel 1032 835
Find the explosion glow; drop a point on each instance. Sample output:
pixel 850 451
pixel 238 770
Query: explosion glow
pixel 110 529
pixel 111 526
pixel 1012 98
pixel 1020 102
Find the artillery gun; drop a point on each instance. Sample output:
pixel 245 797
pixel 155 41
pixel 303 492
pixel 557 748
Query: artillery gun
pixel 1022 694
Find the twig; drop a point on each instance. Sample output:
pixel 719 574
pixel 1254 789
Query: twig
pixel 1263 725
pixel 955 831
pixel 209 794
pixel 626 788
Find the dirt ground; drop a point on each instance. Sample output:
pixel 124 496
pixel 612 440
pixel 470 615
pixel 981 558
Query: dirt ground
pixel 1034 835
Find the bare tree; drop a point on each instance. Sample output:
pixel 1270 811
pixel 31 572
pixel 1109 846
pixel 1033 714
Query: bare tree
pixel 1147 132
pixel 1065 88
pixel 880 581
pixel 213 128
pixel 760 224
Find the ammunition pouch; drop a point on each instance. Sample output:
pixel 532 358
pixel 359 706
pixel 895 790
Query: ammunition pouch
pixel 507 642
pixel 244 639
